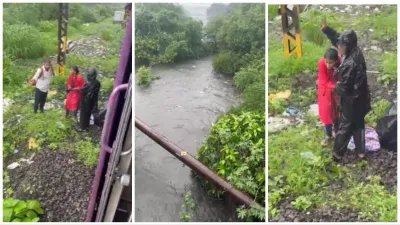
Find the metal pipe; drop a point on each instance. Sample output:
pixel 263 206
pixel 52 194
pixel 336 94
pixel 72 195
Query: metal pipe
pixel 194 164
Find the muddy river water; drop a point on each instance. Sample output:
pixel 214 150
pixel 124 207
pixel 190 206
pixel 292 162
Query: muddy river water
pixel 181 105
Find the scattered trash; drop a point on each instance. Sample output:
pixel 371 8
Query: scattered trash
pixel 33 144
pixel 313 110
pixel 276 124
pixel 28 161
pixel 371 141
pixel 13 165
pixel 280 95
pixel 52 93
pixel 292 111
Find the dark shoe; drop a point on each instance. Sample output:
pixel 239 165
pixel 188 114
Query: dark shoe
pixel 336 158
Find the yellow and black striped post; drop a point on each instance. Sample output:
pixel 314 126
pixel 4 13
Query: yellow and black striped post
pixel 62 39
pixel 291 42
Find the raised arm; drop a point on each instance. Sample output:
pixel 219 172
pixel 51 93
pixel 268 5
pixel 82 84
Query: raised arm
pixel 331 33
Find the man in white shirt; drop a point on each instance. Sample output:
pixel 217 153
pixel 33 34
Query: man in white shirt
pixel 42 78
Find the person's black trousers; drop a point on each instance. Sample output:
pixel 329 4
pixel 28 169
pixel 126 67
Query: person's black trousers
pixel 345 131
pixel 40 100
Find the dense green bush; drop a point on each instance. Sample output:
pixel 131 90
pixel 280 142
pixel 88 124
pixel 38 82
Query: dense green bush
pixel 235 149
pixel 226 62
pixel 164 34
pixel 21 41
pixel 145 77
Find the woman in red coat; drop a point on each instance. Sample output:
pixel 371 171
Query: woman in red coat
pixel 74 85
pixel 327 103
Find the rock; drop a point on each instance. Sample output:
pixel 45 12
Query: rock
pixel 377 49
pixel 367 7
pixel 376 9
pixel 276 124
pixel 371 30
pixel 342 11
pixel 336 8
pixel 313 110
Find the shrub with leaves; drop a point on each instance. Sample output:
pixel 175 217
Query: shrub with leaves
pixel 21 41
pixel 145 77
pixel 388 68
pixel 88 152
pixel 187 209
pixel 235 149
pixel 226 62
pixel 21 211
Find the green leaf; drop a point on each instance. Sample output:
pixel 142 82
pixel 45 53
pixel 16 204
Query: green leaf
pixel 35 205
pixel 17 220
pixel 31 214
pixel 26 219
pixel 10 203
pixel 7 214
pixel 20 207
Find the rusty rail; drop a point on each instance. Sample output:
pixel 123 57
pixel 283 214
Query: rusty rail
pixel 194 164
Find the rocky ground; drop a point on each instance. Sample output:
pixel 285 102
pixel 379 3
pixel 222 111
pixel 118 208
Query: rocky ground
pixel 382 163
pixel 62 188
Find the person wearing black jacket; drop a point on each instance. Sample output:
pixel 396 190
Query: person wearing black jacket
pixel 353 89
pixel 89 99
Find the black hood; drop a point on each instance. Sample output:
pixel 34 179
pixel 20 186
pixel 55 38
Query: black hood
pixel 92 74
pixel 348 39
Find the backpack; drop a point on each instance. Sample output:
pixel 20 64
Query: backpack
pixel 387 129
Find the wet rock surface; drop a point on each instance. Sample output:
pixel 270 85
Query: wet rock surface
pixel 93 47
pixel 58 181
pixel 327 214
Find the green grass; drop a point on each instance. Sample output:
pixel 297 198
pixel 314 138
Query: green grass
pixel 280 67
pixel 272 11
pixel 388 68
pixel 299 167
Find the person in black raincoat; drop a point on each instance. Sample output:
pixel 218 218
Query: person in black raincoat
pixel 353 89
pixel 89 99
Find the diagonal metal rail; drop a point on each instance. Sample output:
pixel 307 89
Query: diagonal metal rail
pixel 195 165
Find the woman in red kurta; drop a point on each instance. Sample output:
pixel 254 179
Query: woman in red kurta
pixel 74 85
pixel 327 101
